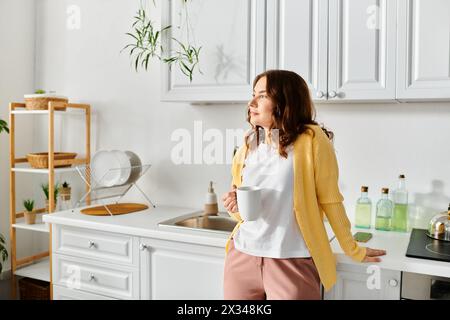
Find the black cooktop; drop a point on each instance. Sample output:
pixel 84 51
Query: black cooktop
pixel 423 247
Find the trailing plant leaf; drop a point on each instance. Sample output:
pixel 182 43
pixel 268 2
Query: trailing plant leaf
pixel 147 44
pixel 187 59
pixel 3 126
pixel 146 40
pixel 3 252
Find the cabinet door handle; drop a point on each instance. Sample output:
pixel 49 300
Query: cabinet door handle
pixel 92 244
pixel 393 282
pixel 320 94
pixel 91 277
pixel 143 247
pixel 332 94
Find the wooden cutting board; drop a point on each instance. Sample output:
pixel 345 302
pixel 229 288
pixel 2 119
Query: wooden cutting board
pixel 116 209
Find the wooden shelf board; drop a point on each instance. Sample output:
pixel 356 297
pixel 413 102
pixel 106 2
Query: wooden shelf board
pixel 44 171
pixel 39 270
pixel 71 112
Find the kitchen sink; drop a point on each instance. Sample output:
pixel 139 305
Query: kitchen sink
pixel 221 223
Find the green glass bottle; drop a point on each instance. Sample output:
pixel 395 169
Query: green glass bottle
pixel 400 215
pixel 384 212
pixel 363 212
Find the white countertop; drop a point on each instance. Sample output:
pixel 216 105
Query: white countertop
pixel 145 224
pixel 395 244
pixel 141 224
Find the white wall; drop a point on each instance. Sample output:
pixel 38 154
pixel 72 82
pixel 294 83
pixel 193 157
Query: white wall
pixel 375 142
pixel 17 26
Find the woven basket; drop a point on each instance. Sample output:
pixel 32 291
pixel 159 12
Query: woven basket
pixel 33 289
pixel 40 160
pixel 41 103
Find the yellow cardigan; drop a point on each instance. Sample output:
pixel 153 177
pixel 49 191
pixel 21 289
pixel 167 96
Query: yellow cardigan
pixel 316 192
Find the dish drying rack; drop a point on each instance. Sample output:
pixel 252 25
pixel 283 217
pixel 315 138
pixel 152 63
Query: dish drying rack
pixel 99 191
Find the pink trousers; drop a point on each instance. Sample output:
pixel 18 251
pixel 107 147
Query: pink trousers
pixel 248 277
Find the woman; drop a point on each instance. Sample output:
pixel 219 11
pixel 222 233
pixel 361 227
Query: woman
pixel 285 253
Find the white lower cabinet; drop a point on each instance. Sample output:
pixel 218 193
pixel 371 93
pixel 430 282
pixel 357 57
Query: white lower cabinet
pixel 159 269
pixel 64 293
pixel 93 244
pixel 98 277
pixel 149 268
pixel 89 264
pixel 176 271
pixel 365 282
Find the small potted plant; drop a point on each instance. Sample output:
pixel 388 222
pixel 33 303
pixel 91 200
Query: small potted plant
pixel 3 253
pixel 65 191
pixel 45 189
pixel 30 215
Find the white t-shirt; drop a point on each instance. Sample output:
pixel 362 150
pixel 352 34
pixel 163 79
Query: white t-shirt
pixel 275 234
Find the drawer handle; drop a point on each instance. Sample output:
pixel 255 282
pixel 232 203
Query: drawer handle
pixel 92 244
pixel 393 283
pixel 143 247
pixel 91 277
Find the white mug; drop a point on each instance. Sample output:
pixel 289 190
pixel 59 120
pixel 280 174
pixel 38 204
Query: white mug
pixel 249 202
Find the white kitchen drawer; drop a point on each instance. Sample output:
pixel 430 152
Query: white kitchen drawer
pixel 64 293
pixel 85 243
pixel 114 281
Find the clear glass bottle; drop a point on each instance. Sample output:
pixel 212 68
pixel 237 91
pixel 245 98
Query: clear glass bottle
pixel 384 211
pixel 363 212
pixel 400 214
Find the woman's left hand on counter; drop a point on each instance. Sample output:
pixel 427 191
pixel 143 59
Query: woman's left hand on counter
pixel 373 254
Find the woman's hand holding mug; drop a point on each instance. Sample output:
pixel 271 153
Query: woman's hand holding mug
pixel 230 201
pixel 249 199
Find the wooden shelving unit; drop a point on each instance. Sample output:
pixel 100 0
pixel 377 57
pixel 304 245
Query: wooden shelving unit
pixel 39 226
pixel 38 266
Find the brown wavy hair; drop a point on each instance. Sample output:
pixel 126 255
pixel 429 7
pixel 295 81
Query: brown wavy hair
pixel 293 108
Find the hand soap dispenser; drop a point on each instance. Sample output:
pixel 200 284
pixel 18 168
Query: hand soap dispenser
pixel 211 207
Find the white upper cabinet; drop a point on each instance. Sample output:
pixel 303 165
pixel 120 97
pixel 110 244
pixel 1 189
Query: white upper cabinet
pixel 424 50
pixel 231 34
pixel 297 40
pixel 344 49
pixel 362 43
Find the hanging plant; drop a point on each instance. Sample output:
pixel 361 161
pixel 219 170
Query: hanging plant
pixel 147 44
pixel 3 252
pixel 3 126
pixel 187 59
